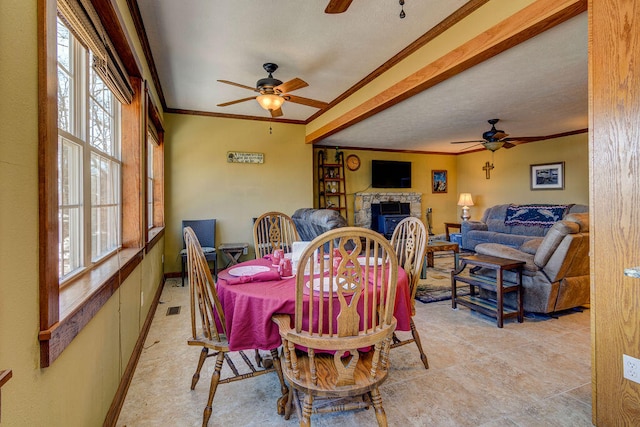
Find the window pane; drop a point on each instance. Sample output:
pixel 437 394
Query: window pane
pixel 70 211
pixel 105 206
pixel 64 79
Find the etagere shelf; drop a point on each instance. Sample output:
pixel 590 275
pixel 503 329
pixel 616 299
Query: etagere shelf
pixel 332 188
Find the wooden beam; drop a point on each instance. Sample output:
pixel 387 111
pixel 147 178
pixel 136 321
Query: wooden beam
pixel 523 25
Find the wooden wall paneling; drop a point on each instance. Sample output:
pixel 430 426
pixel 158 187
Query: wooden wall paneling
pixel 47 163
pixel 133 173
pixel 614 79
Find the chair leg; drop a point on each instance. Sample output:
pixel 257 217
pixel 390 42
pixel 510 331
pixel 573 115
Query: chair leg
pixel 284 390
pixel 305 420
pixel 183 262
pixel 196 376
pixel 416 339
pixel 215 378
pixel 376 399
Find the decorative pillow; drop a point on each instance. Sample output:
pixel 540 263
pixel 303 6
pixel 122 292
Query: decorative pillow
pixel 534 215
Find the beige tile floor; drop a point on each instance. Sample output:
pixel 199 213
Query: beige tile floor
pixel 532 374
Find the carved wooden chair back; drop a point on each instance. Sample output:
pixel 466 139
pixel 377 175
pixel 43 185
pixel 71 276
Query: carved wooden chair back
pixel 203 296
pixel 344 302
pixel 274 230
pixel 206 332
pixel 409 240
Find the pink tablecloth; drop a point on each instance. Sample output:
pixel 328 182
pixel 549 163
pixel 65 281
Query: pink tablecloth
pixel 248 308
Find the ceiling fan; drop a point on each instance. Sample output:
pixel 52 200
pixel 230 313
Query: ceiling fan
pixel 273 92
pixel 339 6
pixel 494 139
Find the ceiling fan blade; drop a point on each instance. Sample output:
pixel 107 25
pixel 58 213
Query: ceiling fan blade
pixel 500 134
pixel 239 85
pixel 306 101
pixel 337 6
pixel 466 142
pixel 291 85
pixel 508 145
pixel 224 104
pixel 473 146
pixel 276 113
pixel 527 139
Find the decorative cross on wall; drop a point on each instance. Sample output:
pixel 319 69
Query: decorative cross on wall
pixel 487 168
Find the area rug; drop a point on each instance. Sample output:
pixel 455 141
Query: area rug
pixel 437 285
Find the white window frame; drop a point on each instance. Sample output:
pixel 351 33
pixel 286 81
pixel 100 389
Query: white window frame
pixel 88 248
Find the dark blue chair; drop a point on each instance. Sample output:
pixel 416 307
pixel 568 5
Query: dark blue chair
pixel 205 230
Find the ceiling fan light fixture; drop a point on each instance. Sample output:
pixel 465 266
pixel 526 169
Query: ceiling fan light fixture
pixel 270 102
pixel 493 145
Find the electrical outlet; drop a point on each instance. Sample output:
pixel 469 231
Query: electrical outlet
pixel 245 251
pixel 142 299
pixel 631 367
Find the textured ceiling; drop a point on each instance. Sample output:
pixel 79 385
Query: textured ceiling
pixel 536 88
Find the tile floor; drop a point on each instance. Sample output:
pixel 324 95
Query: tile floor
pixel 532 374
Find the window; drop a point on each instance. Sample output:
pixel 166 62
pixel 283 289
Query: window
pixel 151 144
pixel 91 110
pixel 89 164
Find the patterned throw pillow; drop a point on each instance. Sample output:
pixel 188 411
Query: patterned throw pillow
pixel 535 215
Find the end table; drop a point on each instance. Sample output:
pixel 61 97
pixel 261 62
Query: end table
pixel 233 251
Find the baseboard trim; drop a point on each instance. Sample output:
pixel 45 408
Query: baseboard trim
pixel 118 400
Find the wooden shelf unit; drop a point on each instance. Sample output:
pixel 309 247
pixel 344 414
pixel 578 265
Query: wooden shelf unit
pixel 332 186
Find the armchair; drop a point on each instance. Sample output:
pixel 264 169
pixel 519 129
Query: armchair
pixel 556 273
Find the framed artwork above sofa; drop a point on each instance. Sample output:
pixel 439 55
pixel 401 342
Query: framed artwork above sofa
pixel 547 176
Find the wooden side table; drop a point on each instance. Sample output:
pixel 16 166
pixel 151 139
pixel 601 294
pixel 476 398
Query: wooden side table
pixel 448 225
pixel 498 285
pixel 233 252
pixel 439 246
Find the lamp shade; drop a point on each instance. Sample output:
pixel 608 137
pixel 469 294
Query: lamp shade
pixel 493 146
pixel 465 200
pixel 269 101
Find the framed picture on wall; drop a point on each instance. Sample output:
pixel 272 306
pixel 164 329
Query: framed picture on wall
pixel 439 182
pixel 547 176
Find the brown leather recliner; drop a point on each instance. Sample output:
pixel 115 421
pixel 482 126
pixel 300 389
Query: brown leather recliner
pixel 556 273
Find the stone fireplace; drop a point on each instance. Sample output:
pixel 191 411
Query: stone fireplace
pixel 363 202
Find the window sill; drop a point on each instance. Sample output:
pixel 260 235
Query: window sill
pixel 81 300
pixel 154 236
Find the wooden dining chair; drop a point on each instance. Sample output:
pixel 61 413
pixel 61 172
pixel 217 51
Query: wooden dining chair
pixel 409 241
pixel 336 354
pixel 208 334
pixel 273 230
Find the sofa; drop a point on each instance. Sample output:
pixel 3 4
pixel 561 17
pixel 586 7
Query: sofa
pixel 311 223
pixel 513 225
pixel 556 272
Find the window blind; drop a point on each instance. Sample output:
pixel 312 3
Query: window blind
pixel 83 20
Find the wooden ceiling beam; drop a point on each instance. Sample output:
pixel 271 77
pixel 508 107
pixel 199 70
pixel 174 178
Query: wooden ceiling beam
pixel 523 25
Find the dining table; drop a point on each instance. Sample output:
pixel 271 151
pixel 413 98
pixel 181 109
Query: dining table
pixel 248 307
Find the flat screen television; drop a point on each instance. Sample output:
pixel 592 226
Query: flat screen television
pixel 390 174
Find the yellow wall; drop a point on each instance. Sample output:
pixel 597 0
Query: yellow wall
pixel 510 182
pixel 200 183
pixel 79 387
pixel 359 181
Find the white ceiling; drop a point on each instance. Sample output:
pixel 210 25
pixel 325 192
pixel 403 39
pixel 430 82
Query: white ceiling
pixel 536 88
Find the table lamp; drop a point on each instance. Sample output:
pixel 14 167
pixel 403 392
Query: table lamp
pixel 465 201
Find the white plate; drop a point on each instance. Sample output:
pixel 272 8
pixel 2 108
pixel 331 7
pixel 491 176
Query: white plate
pixel 372 260
pixel 248 270
pixel 325 284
